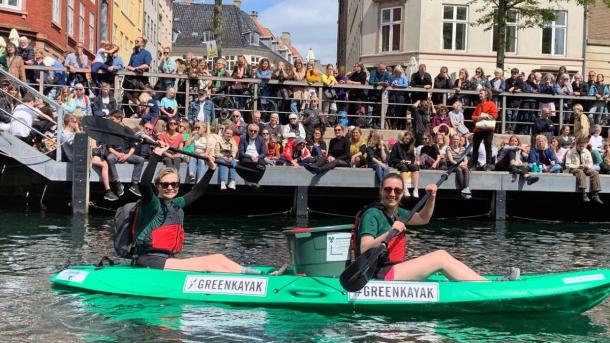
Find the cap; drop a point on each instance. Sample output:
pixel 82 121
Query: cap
pixel 300 140
pixel 292 115
pixel 290 135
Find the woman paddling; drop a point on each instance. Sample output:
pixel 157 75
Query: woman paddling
pixel 375 224
pixel 160 234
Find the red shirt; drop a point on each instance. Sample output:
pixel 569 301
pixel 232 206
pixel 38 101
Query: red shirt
pixel 173 142
pixel 488 107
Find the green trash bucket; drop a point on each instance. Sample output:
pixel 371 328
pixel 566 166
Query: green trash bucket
pixel 320 251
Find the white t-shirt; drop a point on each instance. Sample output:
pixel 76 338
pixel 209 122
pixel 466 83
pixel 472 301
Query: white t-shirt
pixel 596 142
pixel 251 149
pixel 66 138
pixel 21 124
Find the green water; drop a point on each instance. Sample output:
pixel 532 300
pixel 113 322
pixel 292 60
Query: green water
pixel 35 246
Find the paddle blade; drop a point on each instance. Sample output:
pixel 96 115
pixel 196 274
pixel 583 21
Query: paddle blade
pixel 251 171
pixel 358 274
pixel 106 131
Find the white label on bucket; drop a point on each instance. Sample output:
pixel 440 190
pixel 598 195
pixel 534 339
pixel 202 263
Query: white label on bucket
pixel 72 275
pixel 254 286
pixel 337 246
pixel 584 278
pixel 397 291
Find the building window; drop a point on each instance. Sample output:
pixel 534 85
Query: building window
pixel 91 31
pixel 554 34
pixel 254 38
pixel 255 59
pixel 56 9
pixel 391 19
pixel 70 17
pixel 231 60
pixel 11 4
pixel 511 33
pixel 455 25
pixel 81 26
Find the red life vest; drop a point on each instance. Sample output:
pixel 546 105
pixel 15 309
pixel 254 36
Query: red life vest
pixel 397 246
pixel 166 238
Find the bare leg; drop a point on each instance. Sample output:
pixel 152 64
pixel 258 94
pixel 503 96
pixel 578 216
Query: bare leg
pixel 103 165
pixel 415 179
pixel 438 261
pixel 216 263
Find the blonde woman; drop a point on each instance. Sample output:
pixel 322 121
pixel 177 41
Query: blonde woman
pixel 297 74
pixel 328 79
pixel 377 155
pixel 204 144
pixel 169 105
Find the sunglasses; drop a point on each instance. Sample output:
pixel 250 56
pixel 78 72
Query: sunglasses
pixel 173 123
pixel 396 190
pixel 148 128
pixel 197 127
pixel 265 133
pixel 338 130
pixel 166 185
pixel 253 131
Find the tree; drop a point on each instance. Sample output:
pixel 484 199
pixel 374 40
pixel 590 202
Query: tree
pixel 530 13
pixel 217 22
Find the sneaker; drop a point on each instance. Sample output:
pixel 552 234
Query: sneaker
pixel 110 196
pixel 585 198
pixel 119 189
pixel 231 185
pixel 191 179
pixel 416 193
pixel 532 179
pixel 466 196
pixel 595 198
pixel 223 185
pixel 466 190
pixel 406 194
pixel 135 189
pixel 512 274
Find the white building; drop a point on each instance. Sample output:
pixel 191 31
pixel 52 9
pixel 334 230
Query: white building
pixel 439 33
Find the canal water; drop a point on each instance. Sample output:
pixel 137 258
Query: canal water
pixel 33 246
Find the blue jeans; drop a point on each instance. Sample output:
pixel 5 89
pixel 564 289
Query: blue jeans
pixel 554 168
pixel 224 170
pixel 197 168
pixel 380 173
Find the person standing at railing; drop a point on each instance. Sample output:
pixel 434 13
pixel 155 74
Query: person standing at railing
pixel 281 74
pixel 550 87
pixel 194 73
pixel 543 125
pixel 601 92
pixel 441 81
pixel 529 106
pixel 496 84
pixel 397 99
pixel 379 77
pixel 484 117
pixel 139 62
pixel 420 79
pixel 241 70
pixel 264 73
pixel 356 108
pixel 26 51
pixel 16 67
pixel 512 85
pixel 76 60
pixel 167 65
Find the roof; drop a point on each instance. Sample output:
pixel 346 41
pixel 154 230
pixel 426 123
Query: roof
pixel 193 19
pixel 295 52
pixel 265 32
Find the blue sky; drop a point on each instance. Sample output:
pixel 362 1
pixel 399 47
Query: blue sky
pixel 312 24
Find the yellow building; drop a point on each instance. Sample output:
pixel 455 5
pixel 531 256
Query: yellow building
pixel 127 18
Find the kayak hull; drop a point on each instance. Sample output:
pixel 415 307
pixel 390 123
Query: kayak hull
pixel 571 292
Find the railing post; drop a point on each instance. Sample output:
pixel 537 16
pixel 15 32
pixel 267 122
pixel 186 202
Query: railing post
pixel 503 113
pixel 60 128
pixel 299 205
pixel 384 107
pixel 321 99
pixel 445 98
pixel 40 83
pixel 117 86
pixel 561 114
pixel 187 95
pixel 254 99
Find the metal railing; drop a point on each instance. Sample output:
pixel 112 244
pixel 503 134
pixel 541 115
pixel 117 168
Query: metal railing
pixel 381 107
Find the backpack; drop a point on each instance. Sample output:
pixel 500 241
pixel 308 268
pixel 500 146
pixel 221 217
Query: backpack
pixel 355 249
pixel 124 230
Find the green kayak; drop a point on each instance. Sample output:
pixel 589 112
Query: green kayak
pixel 571 292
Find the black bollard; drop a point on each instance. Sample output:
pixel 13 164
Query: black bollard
pixel 80 174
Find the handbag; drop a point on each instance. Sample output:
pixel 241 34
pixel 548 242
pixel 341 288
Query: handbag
pixel 486 124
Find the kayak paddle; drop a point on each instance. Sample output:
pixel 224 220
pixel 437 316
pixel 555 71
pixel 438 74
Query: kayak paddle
pixel 108 132
pixel 365 266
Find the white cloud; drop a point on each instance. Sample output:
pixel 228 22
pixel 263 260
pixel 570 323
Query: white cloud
pixel 312 24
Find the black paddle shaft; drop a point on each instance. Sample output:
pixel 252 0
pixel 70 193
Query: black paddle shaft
pixel 359 272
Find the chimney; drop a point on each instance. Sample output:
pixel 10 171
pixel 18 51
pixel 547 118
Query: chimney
pixel 286 38
pixel 237 3
pixel 186 2
pixel 254 14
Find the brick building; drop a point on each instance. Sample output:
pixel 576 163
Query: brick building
pixel 58 27
pixel 598 39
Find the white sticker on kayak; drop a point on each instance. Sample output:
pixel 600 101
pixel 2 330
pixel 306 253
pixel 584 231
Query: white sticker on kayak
pixel 337 246
pixel 397 291
pixel 584 278
pixel 72 275
pixel 254 286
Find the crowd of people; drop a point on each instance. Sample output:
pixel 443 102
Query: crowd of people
pixel 216 120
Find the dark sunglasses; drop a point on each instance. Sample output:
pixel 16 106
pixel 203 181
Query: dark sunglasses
pixel 166 185
pixel 148 128
pixel 253 131
pixel 396 190
pixel 338 130
pixel 173 123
